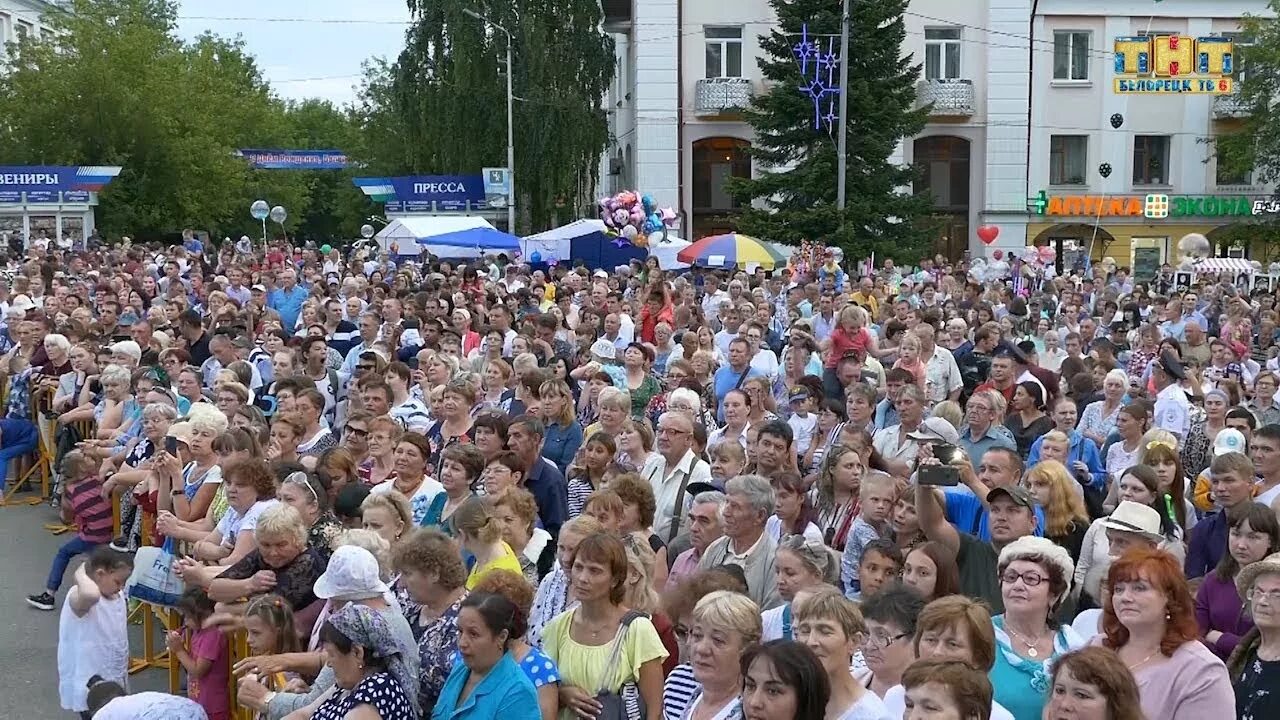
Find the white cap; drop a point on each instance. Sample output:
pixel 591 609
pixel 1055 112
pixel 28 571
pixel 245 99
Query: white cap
pixel 604 348
pixel 935 428
pixel 1228 440
pixel 601 274
pixel 352 574
pixel 1133 517
pixel 21 302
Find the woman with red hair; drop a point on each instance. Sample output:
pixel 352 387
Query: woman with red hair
pixel 1149 620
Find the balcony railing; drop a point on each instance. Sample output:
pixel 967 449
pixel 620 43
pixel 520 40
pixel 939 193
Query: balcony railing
pixel 949 98
pixel 1229 106
pixel 715 96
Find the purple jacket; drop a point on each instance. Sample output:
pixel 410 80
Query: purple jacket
pixel 1218 607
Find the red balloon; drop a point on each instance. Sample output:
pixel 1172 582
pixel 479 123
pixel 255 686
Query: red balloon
pixel 998 254
pixel 988 233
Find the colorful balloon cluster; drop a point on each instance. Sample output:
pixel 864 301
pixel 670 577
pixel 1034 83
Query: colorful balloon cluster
pixel 1034 261
pixel 635 217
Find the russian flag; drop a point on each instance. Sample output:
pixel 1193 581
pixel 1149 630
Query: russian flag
pixel 94 177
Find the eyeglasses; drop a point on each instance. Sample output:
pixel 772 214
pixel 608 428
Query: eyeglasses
pixel 358 432
pixel 1271 596
pixel 881 640
pixel 300 479
pixel 1030 579
pixel 671 431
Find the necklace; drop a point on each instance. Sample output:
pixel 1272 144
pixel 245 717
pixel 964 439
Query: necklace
pixel 1142 662
pixel 587 627
pixel 1031 646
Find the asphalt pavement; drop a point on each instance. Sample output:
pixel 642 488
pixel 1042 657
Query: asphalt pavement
pixel 29 637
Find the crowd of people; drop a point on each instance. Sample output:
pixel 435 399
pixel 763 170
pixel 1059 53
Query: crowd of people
pixel 420 488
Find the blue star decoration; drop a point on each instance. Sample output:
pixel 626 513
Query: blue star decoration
pixel 816 87
pixel 621 242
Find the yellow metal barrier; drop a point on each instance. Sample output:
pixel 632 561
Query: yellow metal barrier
pixel 153 618
pixel 41 461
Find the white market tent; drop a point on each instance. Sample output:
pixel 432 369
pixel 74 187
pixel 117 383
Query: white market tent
pixel 411 235
pixel 666 251
pixel 558 243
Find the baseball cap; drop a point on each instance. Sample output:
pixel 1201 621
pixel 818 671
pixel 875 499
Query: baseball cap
pixel 259 288
pixel 1228 440
pixel 1018 495
pixel 374 352
pixel 935 428
pixel 601 274
pixel 352 574
pixel 798 394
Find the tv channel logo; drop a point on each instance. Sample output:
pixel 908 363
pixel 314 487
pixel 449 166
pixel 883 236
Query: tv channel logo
pixel 1174 65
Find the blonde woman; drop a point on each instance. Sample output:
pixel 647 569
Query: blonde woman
pixel 615 408
pixel 724 625
pixel 1065 519
pixel 639 594
pixel 563 432
pixel 480 534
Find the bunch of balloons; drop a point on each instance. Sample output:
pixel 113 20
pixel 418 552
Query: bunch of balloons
pixel 635 217
pixel 1035 261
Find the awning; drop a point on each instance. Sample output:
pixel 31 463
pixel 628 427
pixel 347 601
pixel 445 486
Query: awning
pixel 1223 264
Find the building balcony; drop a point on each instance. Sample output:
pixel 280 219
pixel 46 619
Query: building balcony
pixel 1230 106
pixel 947 98
pixel 716 96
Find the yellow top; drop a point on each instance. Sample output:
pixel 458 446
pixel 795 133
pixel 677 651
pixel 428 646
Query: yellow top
pixel 506 561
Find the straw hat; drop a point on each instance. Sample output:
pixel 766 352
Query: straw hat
pixel 1251 572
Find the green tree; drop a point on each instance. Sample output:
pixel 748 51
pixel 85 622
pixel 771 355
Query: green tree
pixel 440 108
pixel 113 85
pixel 798 184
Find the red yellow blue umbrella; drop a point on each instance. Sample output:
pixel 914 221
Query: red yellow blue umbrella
pixel 731 250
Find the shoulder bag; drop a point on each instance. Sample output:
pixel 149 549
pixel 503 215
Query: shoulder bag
pixel 625 703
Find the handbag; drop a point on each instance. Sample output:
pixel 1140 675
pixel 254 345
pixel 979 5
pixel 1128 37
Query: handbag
pixel 626 703
pixel 153 579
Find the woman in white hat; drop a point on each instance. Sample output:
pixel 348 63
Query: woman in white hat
pixel 1255 665
pixel 1035 577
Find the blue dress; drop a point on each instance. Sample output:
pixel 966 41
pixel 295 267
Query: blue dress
pixel 1021 684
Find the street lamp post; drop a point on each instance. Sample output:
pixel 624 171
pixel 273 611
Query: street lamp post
pixel 511 133
pixel 842 159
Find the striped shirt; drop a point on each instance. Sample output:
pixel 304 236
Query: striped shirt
pixel 91 511
pixel 678 691
pixel 413 415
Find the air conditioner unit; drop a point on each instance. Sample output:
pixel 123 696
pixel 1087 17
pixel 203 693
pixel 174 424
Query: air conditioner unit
pixel 615 166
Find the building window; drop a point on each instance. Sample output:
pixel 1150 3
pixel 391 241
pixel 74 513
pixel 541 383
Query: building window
pixel 1151 160
pixel 24 30
pixel 724 51
pixel 1224 175
pixel 1070 55
pixel 1068 155
pixel 941 53
pixel 1241 43
pixel 715 160
pixel 6 25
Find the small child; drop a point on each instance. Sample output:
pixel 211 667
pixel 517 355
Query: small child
pixel 93 630
pixel 803 420
pixel 607 508
pixel 876 500
pixel 82 502
pixel 269 630
pixel 208 681
pixel 909 359
pixel 881 562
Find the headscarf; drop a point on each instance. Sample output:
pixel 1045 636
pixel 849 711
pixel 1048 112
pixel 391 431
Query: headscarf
pixel 365 626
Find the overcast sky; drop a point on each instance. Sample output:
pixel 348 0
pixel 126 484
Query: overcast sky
pixel 318 52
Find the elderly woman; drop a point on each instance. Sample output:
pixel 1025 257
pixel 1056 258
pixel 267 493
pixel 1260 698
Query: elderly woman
pixel 1255 665
pixel 724 625
pixel 411 461
pixel 71 392
pixel 635 445
pixel 1098 420
pixel 384 435
pixel 1197 451
pixel 552 597
pixel 581 640
pixel 250 489
pixel 615 406
pixel 749 504
pixel 188 491
pixel 461 470
pixel 132 476
pixel 1035 577
pixel 282 563
pixel 1149 621
pixel 375 680
pixel 488 683
pixel 306 493
pixel 431 569
pixel 832 627
pixel 119 409
pixel 517 513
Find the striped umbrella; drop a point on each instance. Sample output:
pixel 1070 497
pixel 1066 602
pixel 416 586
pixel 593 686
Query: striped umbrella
pixel 730 250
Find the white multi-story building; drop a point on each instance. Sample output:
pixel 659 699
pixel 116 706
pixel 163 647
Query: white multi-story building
pixel 1162 147
pixel 1022 97
pixel 19 18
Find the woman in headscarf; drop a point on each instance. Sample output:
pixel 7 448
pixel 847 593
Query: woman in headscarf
pixel 365 657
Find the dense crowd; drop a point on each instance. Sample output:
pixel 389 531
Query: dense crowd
pixel 475 489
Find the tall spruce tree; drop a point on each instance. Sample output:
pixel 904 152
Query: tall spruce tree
pixel 798 181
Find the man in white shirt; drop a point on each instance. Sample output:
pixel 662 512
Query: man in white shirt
pixel 1172 411
pixel 942 374
pixel 1265 452
pixel 670 471
pixel 732 319
pixel 762 358
pixel 712 297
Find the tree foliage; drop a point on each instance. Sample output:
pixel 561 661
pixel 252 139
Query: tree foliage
pixel 114 85
pixel 440 108
pixel 798 182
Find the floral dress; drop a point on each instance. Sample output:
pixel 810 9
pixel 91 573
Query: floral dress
pixel 437 649
pixel 1258 689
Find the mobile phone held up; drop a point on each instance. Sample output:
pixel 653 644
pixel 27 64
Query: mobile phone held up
pixel 171 446
pixel 944 475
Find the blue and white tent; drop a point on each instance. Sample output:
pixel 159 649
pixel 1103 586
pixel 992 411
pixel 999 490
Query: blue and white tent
pixel 588 242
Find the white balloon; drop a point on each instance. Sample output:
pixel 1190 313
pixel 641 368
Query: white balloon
pixel 259 209
pixel 278 214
